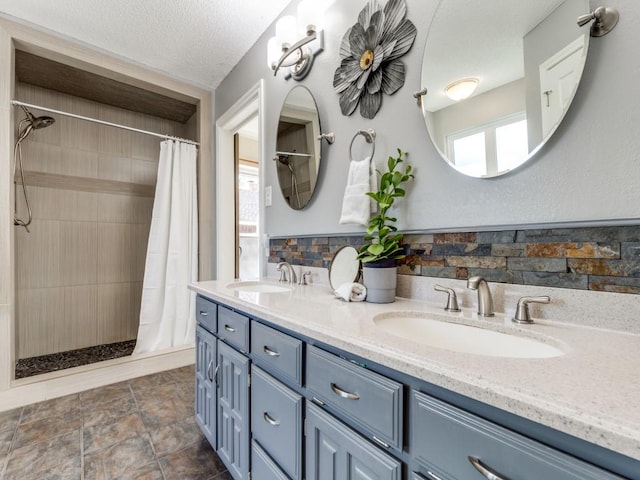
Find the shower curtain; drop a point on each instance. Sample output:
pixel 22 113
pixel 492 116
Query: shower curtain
pixel 167 311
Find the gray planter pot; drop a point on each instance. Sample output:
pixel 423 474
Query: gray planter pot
pixel 380 278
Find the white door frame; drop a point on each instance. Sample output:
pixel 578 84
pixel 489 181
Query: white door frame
pixel 250 105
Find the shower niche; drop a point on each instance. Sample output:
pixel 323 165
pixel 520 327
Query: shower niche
pixel 88 191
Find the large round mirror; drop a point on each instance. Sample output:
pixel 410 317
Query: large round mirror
pixel 298 147
pixel 500 76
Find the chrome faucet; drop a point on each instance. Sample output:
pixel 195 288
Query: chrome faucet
pixel 485 303
pixel 287 273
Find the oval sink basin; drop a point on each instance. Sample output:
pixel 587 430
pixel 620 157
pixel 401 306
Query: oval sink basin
pixel 258 286
pixel 463 338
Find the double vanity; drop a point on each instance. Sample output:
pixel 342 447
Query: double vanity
pixel 292 383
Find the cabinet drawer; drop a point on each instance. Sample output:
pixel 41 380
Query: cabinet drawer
pixel 206 313
pixel 262 467
pixel 276 421
pixel 234 328
pixel 444 439
pixel 359 394
pixel 277 352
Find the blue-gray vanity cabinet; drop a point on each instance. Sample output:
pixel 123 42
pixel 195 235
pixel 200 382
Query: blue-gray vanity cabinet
pixel 205 406
pixel 233 410
pixel 262 467
pixel 447 441
pixel 233 328
pixel 359 394
pixel 335 452
pixel 207 314
pixel 276 422
pixel 277 352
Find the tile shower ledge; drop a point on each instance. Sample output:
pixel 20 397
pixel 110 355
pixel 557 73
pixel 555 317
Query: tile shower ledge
pixel 590 392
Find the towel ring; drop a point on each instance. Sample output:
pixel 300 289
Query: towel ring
pixel 369 136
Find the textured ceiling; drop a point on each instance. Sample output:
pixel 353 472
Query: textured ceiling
pixel 199 41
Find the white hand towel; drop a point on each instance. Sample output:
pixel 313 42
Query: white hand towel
pixel 351 292
pixel 356 205
pixel 373 185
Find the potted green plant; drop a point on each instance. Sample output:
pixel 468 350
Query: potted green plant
pixel 384 244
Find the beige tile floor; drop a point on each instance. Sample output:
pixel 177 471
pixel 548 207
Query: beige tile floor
pixel 141 429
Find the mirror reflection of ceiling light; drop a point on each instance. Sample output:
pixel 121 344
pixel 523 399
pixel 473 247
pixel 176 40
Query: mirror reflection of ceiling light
pixel 461 89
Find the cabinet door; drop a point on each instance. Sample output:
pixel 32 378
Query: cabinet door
pixel 276 421
pixel 233 411
pixel 335 452
pixel 205 406
pixel 452 443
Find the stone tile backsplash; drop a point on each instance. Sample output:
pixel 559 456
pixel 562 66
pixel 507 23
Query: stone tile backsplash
pixel 593 258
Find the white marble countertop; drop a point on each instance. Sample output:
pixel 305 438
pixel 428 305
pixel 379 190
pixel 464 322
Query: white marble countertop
pixel 591 392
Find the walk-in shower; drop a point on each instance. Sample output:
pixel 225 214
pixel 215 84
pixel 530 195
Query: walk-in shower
pixel 25 127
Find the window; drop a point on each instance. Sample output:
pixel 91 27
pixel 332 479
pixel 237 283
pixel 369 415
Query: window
pixel 487 149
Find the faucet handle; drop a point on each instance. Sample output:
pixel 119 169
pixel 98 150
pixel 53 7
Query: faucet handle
pixel 522 311
pixel 452 299
pixel 283 273
pixel 303 277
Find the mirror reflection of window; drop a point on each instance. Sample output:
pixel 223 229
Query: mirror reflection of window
pixel 491 148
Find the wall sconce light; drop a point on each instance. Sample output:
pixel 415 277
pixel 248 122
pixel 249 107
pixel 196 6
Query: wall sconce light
pixel 297 40
pixel 461 89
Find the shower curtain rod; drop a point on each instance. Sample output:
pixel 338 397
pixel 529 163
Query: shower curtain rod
pixel 102 122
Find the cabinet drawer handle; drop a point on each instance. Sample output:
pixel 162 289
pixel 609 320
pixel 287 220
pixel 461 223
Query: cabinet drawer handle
pixel 229 329
pixel 215 375
pixel 209 370
pixel 338 391
pixel 486 471
pixel 270 420
pixel 432 475
pixel 270 352
pixel 203 313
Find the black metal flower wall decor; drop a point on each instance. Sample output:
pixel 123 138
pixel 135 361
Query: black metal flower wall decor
pixel 370 53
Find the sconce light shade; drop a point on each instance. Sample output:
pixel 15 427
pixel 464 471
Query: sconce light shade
pixel 310 16
pixel 274 50
pixel 461 89
pixel 286 30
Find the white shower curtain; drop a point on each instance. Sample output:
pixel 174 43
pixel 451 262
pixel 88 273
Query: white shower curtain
pixel 167 312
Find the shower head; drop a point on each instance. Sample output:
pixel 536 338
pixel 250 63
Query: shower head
pixel 38 122
pixel 284 159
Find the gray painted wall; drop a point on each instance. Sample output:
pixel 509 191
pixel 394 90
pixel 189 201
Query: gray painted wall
pixel 588 171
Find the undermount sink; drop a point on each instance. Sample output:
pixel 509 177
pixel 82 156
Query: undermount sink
pixel 463 338
pixel 258 286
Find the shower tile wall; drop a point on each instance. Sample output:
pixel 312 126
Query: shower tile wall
pixel 79 272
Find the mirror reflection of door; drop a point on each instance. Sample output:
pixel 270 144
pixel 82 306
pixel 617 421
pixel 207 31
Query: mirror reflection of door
pixel 247 201
pixel 558 77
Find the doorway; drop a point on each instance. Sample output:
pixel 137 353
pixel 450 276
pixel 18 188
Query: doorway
pixel 247 221
pixel 246 110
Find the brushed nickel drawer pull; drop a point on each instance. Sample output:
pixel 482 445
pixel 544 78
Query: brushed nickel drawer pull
pixel 216 377
pixel 203 313
pixel 229 329
pixel 209 370
pixel 270 352
pixel 380 442
pixel 270 420
pixel 338 391
pixel 486 471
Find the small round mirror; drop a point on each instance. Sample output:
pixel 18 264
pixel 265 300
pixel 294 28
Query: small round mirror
pixel 298 147
pixel 500 76
pixel 344 267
